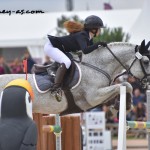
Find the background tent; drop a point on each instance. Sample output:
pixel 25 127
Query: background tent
pixel 141 28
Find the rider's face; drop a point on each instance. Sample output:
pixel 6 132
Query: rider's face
pixel 98 32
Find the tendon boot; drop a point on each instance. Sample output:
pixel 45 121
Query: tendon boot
pixel 61 71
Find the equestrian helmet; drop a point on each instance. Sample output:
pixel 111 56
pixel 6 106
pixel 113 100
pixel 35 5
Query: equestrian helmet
pixel 93 22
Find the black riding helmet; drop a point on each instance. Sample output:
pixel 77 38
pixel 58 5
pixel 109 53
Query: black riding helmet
pixel 93 22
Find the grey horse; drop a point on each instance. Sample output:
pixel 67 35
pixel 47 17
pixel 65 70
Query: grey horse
pixel 95 88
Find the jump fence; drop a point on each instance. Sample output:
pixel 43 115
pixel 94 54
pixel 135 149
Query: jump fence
pixel 70 137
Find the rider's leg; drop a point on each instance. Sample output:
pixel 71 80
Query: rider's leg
pixel 58 56
pixel 61 71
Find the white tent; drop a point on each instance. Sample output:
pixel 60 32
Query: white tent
pixel 31 30
pixel 141 28
pixel 26 31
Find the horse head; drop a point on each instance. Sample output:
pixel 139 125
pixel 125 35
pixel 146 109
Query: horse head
pixel 141 67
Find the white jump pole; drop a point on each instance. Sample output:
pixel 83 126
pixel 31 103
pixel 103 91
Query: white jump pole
pixel 148 111
pixel 58 136
pixel 122 120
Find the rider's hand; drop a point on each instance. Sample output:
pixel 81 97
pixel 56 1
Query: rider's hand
pixel 104 44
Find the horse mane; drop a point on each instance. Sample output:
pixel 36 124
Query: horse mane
pixel 120 43
pixel 112 44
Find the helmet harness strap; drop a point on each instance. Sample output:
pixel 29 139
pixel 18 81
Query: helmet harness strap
pixel 94 32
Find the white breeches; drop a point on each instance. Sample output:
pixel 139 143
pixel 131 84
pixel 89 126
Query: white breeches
pixel 56 54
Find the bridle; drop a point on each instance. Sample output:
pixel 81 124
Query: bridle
pixel 143 69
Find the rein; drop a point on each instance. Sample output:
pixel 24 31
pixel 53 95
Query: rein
pixel 98 69
pixel 116 58
pixel 92 66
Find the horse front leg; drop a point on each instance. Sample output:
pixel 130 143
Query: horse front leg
pixel 107 95
pixel 104 95
pixel 128 97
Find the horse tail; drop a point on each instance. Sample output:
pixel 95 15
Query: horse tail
pixel 73 26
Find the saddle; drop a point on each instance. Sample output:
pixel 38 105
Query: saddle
pixel 44 76
pixel 44 79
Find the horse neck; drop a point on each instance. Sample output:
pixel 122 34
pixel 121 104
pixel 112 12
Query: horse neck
pixel 104 60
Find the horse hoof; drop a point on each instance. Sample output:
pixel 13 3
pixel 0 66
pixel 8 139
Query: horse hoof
pixel 113 111
pixel 117 105
pixel 128 104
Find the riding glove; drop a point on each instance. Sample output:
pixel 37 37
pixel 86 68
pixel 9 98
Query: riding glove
pixel 104 44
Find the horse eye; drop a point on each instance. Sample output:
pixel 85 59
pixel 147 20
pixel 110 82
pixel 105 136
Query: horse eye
pixel 146 62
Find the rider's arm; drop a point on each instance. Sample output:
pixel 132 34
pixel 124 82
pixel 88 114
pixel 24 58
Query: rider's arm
pixel 91 48
pixel 85 44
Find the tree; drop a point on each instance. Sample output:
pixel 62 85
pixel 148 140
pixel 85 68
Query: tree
pixel 112 35
pixel 108 34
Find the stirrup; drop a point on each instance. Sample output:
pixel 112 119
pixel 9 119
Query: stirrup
pixel 57 94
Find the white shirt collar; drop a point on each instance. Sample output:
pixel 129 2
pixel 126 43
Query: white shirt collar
pixel 90 37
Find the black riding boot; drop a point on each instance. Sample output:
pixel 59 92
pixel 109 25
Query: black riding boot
pixel 61 71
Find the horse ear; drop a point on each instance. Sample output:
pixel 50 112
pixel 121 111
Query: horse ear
pixel 143 43
pixel 142 47
pixel 147 46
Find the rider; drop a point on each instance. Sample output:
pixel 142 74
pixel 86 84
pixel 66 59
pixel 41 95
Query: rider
pixel 80 38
